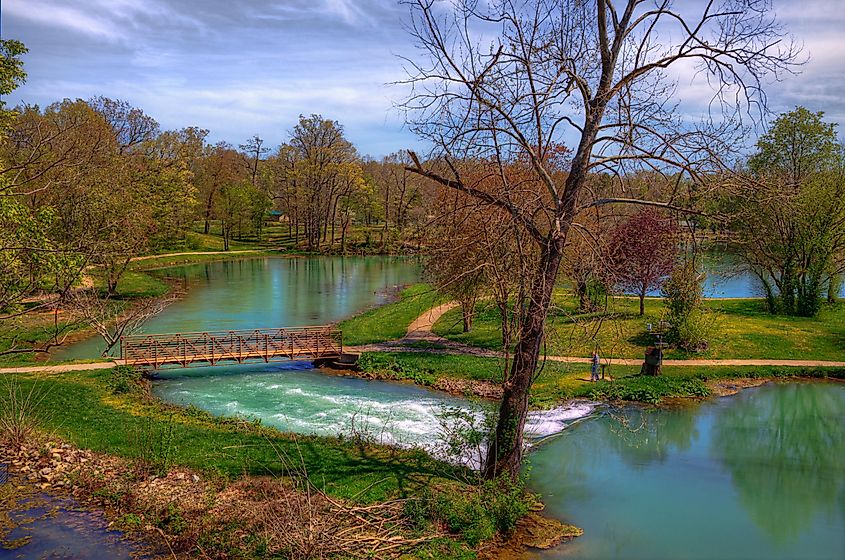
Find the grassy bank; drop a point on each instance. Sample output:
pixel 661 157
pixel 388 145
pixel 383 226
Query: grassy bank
pixel 558 381
pixel 112 412
pixel 164 261
pixel 742 329
pixel 93 410
pixel 32 330
pixel 390 321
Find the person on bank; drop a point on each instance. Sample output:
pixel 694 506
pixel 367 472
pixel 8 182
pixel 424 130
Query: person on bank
pixel 594 366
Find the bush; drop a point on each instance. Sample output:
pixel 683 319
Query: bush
pixel 495 506
pixel 649 389
pixel 690 326
pixel 395 368
pixel 124 379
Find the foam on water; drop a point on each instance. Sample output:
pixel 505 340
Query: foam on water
pixel 545 423
pixel 305 401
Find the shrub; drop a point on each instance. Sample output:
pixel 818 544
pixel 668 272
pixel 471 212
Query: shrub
pixel 494 506
pixel 690 326
pixel 649 389
pixel 18 412
pixel 124 379
pixel 395 368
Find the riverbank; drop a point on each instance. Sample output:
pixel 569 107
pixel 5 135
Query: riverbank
pixel 207 485
pixel 558 382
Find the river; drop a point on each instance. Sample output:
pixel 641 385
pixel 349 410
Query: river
pixel 758 475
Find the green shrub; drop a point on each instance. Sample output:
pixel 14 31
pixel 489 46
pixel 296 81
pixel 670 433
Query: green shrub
pixel 495 506
pixel 649 389
pixel 690 326
pixel 124 379
pixel 395 367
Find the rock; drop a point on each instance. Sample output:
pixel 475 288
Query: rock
pixel 544 533
pixel 195 478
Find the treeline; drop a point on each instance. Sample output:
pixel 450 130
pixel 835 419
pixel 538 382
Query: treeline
pixel 322 186
pixel 97 182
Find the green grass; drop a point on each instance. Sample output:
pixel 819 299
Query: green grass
pixel 84 409
pixel 390 321
pixel 558 381
pixel 165 262
pixel 743 329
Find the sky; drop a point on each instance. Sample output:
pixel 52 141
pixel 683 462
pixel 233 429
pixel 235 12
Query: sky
pixel 245 67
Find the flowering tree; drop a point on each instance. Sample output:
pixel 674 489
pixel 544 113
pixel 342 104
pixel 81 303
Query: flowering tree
pixel 643 252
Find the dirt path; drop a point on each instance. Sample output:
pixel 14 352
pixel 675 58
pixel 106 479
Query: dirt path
pixel 60 368
pixel 420 330
pixel 147 257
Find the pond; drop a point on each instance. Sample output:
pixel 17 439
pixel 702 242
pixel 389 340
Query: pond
pixel 278 291
pixel 756 475
pixel 270 292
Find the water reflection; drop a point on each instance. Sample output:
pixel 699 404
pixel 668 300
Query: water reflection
pixel 758 475
pixel 269 292
pixel 785 451
pixel 645 436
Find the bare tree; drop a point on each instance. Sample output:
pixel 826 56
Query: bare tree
pixel 254 149
pixel 507 79
pixel 110 319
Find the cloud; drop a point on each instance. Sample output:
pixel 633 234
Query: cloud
pixel 254 65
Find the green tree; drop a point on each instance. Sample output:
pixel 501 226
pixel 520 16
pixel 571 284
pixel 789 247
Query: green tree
pixel 788 212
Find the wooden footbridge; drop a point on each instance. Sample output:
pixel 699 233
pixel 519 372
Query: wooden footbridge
pixel 299 343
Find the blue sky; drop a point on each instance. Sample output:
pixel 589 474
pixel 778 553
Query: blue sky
pixel 240 67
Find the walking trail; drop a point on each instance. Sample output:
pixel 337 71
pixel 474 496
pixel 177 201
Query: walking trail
pixel 147 257
pixel 421 338
pixel 420 331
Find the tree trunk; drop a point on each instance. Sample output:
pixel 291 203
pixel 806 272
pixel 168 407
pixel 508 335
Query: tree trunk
pixel 504 455
pixel 208 211
pixel 584 303
pixel 834 286
pixel 642 302
pixel 467 309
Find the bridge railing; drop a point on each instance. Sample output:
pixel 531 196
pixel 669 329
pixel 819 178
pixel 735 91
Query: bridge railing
pixel 215 346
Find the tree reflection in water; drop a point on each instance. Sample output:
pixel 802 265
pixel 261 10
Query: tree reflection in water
pixel 647 436
pixel 785 451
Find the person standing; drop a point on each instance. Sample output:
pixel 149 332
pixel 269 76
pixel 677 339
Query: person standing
pixel 594 366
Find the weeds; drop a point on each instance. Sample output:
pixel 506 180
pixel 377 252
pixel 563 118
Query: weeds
pixel 19 410
pixel 649 389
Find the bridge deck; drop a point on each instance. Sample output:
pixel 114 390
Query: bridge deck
pixel 154 350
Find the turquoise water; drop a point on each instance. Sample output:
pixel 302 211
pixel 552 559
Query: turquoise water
pixel 757 475
pixel 294 397
pixel 270 292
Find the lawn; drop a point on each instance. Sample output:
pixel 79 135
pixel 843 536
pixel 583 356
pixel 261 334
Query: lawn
pixel 742 329
pixel 390 321
pixel 84 409
pixel 557 382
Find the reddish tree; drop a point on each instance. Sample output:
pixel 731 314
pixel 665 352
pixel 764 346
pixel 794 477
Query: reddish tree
pixel 643 252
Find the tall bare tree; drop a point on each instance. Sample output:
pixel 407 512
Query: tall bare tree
pixel 508 79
